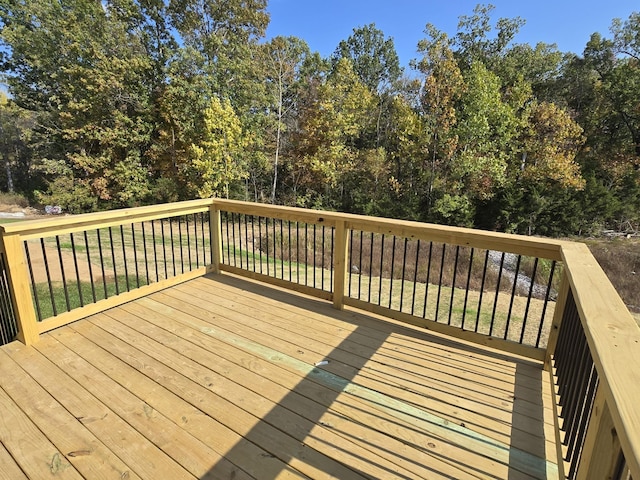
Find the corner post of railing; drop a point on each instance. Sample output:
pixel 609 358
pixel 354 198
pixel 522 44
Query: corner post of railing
pixel 558 313
pixel 20 289
pixel 215 237
pixel 340 264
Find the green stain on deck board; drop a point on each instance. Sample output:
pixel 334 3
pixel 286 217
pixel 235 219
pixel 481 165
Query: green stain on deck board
pixel 432 424
pixel 57 464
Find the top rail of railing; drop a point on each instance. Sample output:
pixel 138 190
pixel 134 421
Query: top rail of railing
pixel 517 244
pixel 76 223
pixel 614 342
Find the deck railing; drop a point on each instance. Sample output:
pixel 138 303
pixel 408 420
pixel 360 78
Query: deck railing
pixel 544 299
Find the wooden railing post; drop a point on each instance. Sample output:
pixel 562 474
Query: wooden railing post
pixel 215 237
pixel 21 297
pixel 340 264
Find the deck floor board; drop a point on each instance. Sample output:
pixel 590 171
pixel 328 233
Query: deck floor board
pixel 221 377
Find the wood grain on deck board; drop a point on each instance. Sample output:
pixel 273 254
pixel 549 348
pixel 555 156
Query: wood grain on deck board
pixel 440 428
pixel 409 387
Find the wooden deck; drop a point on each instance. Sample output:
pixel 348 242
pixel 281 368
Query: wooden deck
pixel 224 378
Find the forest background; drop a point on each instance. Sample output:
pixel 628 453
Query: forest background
pixel 129 102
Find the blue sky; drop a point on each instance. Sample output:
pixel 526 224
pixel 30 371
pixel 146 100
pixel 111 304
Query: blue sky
pixel 323 23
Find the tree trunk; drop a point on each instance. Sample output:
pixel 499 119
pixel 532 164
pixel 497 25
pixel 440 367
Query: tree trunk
pixel 278 133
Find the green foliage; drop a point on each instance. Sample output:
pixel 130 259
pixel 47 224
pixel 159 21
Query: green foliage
pixel 550 145
pixel 374 58
pixel 454 210
pixel 16 132
pixel 476 40
pixel 215 160
pixel 73 197
pixel 486 133
pixel 119 103
pixel 332 124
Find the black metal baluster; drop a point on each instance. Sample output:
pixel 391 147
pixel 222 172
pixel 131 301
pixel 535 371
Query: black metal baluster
pixel 333 231
pixel 513 295
pixel 440 281
pixel 569 329
pixel 577 445
pixel 266 233
pixel 381 269
pixel 75 265
pixel 113 259
pixel 46 269
pixel 404 267
pixel 155 249
pixel 290 258
pixel 197 245
pixel 196 248
pixel 204 238
pixel 144 248
pixel 306 256
pixel 546 302
pixel 246 238
pixel 350 264
pixel 495 301
pixel 484 277
pixel 93 286
pixel 8 327
pixel 64 278
pixel 360 264
pixel 124 258
pixel 104 277
pixel 186 221
pixel 526 308
pixel 173 247
pixel 393 264
pixel 226 222
pixel 466 292
pixel 322 261
pixel 253 241
pixel 260 240
pixel 182 246
pixel 315 247
pixel 281 251
pixel 275 247
pixel 577 387
pixel 453 283
pixel 135 255
pixel 195 240
pixel 415 278
pixel 579 404
pixel 33 281
pixel 240 240
pixel 298 252
pixel 370 267
pixel 164 249
pixel 426 286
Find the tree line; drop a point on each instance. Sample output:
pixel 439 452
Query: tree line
pixel 120 103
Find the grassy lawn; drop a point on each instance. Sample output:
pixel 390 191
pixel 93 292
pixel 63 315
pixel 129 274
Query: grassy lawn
pixel 56 294
pixel 12 220
pixel 447 305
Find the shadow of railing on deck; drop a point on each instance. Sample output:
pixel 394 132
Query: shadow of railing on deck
pixel 344 387
pixel 527 423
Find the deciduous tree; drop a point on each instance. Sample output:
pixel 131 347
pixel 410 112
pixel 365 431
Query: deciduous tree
pixel 216 160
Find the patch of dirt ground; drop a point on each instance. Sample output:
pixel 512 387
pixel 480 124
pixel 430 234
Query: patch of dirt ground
pixel 55 272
